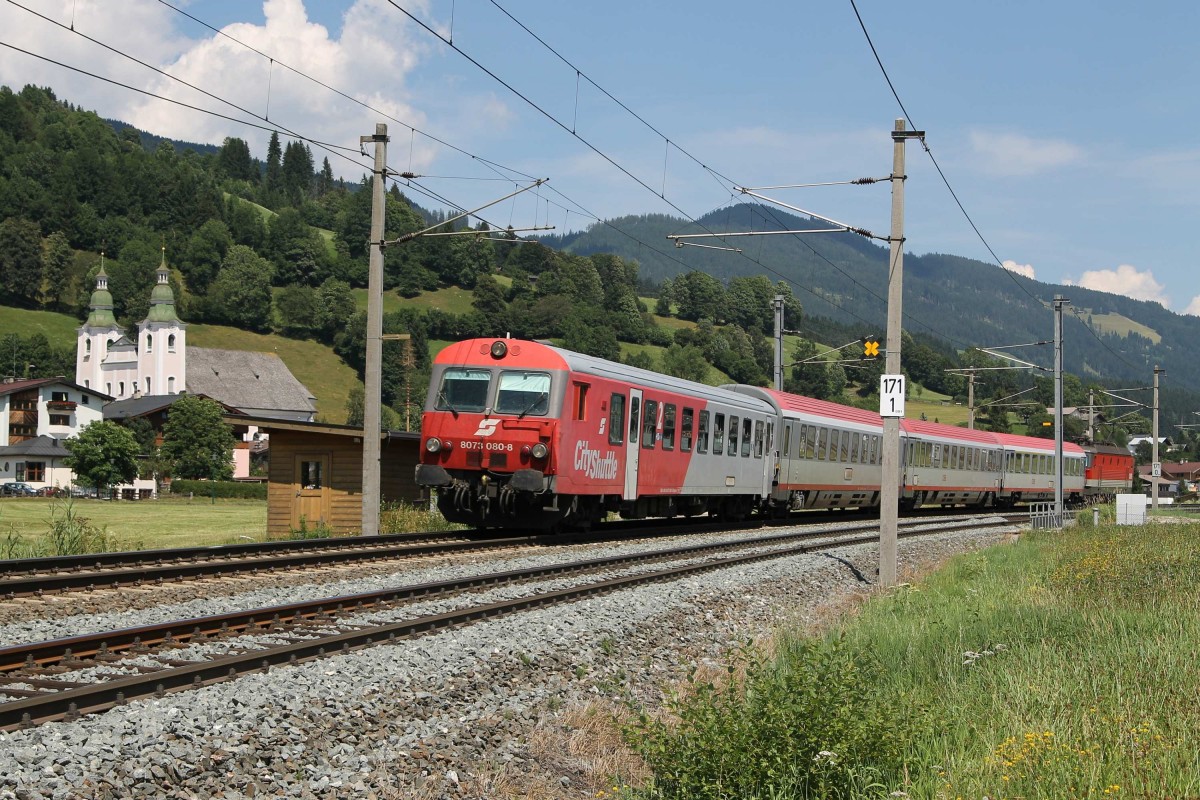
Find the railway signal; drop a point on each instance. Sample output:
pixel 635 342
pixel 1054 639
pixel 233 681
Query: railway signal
pixel 870 347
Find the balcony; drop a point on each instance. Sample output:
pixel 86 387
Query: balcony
pixel 60 405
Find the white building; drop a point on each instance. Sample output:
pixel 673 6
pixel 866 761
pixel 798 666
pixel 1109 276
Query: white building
pixel 38 414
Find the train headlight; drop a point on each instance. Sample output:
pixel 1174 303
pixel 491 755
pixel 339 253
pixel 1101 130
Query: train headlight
pixel 499 349
pixel 433 445
pixel 540 451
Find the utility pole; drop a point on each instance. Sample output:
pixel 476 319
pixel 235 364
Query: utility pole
pixel 1091 417
pixel 373 379
pixel 779 343
pixel 1156 468
pixel 1059 302
pixel 971 400
pixel 889 510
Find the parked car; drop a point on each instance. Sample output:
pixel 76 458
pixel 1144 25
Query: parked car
pixel 52 491
pixel 17 489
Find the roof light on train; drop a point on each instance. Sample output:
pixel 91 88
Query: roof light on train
pixel 433 444
pixel 499 349
pixel 539 450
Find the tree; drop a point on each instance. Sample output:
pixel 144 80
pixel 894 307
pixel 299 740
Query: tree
pixel 298 311
pixel 389 420
pixel 55 268
pixel 688 363
pixel 196 442
pixel 234 160
pixel 103 454
pixel 241 294
pixel 20 259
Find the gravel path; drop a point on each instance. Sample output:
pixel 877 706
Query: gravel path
pixel 482 711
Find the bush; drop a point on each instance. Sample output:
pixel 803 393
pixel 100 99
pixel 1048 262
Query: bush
pixel 809 723
pixel 406 518
pixel 223 489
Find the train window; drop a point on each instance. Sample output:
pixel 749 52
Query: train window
pixel 962 457
pixel 759 433
pixel 855 446
pixel 635 409
pixel 835 437
pixel 702 433
pixel 822 442
pixel 463 389
pixel 874 449
pixel 616 419
pixel 718 435
pixel 746 443
pixel 846 437
pixel 733 436
pixel 649 424
pixel 770 436
pixel 668 440
pixel 523 393
pixel 787 439
pixel 810 442
pixel 685 436
pixel 581 391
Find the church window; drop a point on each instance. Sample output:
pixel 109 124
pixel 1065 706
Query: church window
pixel 149 343
pixel 147 384
pixel 171 385
pixel 121 385
pixel 171 343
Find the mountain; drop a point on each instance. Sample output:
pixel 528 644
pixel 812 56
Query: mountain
pixel 1107 338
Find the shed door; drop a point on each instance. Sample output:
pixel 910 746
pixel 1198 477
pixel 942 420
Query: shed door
pixel 312 489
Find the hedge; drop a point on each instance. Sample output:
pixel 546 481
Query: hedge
pixel 231 489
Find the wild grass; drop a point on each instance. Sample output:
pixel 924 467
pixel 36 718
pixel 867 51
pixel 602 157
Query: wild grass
pixel 407 518
pixel 67 532
pixel 1059 667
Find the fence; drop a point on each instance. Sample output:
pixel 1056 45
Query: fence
pixel 1044 516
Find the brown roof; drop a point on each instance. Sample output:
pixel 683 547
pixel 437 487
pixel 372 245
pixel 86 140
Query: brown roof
pixel 257 383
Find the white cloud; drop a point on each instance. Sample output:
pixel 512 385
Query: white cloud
pixel 1124 280
pixel 1020 269
pixel 373 50
pixel 376 48
pixel 1011 154
pixel 1193 307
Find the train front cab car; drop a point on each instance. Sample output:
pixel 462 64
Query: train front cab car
pixel 522 434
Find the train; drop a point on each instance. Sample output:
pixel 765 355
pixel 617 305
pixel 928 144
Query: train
pixel 524 434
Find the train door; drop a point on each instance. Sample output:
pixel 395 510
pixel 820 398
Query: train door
pixel 633 445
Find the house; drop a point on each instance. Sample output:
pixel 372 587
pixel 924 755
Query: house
pixel 1164 443
pixel 315 474
pixel 155 409
pixel 36 416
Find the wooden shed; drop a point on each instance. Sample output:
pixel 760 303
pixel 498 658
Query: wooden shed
pixel 315 473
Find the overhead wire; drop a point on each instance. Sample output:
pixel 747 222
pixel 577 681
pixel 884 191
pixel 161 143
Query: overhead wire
pixel 958 202
pixel 612 161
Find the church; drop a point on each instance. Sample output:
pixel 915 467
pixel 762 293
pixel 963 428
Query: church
pixel 160 362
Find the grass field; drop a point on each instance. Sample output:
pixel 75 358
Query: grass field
pixel 1061 666
pixel 1120 325
pixel 59 329
pixel 147 524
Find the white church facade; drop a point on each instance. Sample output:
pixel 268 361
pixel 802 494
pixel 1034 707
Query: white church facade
pixel 161 363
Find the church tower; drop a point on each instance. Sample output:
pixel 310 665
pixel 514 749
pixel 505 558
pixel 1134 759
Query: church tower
pixel 162 341
pixel 94 336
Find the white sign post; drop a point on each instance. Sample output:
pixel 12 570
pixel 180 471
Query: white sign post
pixel 1156 469
pixel 891 396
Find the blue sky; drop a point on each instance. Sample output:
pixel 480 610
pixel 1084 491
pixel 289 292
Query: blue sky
pixel 1066 129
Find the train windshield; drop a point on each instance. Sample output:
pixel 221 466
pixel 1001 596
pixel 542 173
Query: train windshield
pixel 523 393
pixel 464 389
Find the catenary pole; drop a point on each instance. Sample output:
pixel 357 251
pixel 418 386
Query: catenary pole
pixel 1154 479
pixel 778 343
pixel 373 379
pixel 1059 302
pixel 889 509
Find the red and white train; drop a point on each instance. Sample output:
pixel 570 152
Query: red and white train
pixel 524 434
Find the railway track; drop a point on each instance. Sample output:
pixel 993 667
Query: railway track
pixel 59 574
pixel 64 678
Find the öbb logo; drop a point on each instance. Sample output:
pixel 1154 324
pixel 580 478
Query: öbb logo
pixel 487 427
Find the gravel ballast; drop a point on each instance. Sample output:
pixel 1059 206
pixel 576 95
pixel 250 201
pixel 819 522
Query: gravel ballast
pixel 446 715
